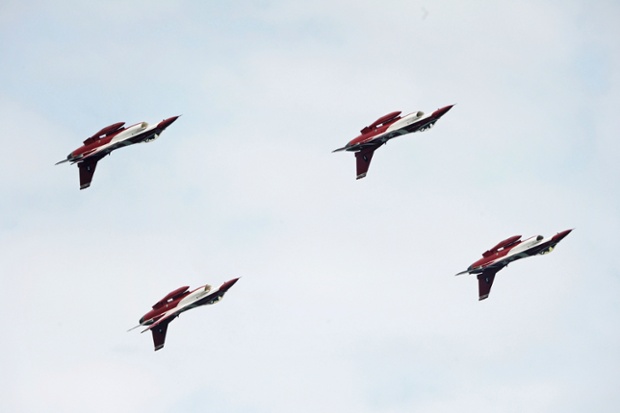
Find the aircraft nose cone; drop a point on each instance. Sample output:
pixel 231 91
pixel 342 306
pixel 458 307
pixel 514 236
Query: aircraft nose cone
pixel 560 235
pixel 228 284
pixel 166 122
pixel 442 111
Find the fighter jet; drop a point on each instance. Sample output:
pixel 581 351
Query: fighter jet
pixel 385 128
pixel 510 249
pixel 109 139
pixel 176 302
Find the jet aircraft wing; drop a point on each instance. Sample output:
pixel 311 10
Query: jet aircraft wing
pixel 363 159
pixel 87 170
pixel 485 281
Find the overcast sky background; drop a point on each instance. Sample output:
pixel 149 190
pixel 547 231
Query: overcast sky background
pixel 347 299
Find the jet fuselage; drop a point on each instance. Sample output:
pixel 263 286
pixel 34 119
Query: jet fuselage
pixel 177 302
pixel 502 256
pixel 106 141
pixel 186 300
pixel 385 128
pixel 109 139
pixel 393 125
pixel 506 251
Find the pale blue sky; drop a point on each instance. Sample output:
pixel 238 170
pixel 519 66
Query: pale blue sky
pixel 347 299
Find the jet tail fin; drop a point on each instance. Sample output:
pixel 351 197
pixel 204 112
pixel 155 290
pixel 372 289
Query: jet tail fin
pixel 362 160
pixel 87 170
pixel 159 336
pixel 158 330
pixel 485 281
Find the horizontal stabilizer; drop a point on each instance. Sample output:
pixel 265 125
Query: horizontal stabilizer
pixel 133 328
pixel 164 319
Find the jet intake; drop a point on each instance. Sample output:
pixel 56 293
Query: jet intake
pixel 151 138
pixel 547 250
pixel 427 126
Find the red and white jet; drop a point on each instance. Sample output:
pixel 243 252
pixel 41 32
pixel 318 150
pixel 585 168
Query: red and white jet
pixel 385 128
pixel 109 139
pixel 177 302
pixel 510 249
